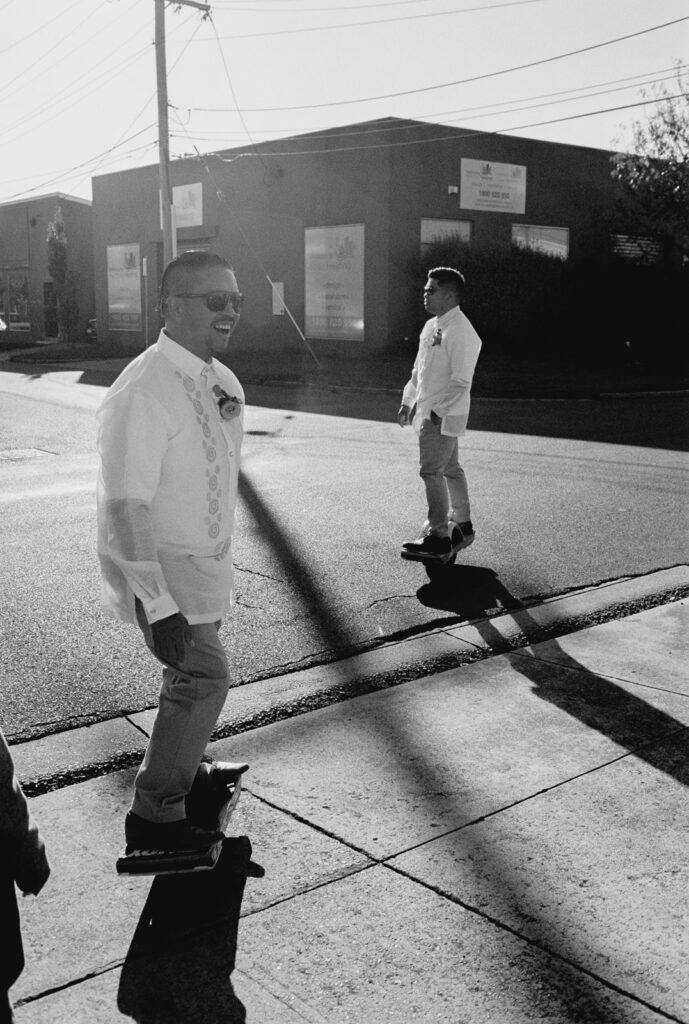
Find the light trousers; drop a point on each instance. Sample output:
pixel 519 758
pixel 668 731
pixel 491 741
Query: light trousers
pixel 191 699
pixel 447 492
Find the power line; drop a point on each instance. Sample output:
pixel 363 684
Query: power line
pixel 41 68
pixel 81 94
pixel 456 137
pixel 632 82
pixel 60 176
pixel 461 81
pixel 43 25
pixel 380 21
pixel 237 8
pixel 77 87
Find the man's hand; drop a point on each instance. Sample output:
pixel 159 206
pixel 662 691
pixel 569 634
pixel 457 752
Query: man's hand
pixel 170 638
pixel 404 415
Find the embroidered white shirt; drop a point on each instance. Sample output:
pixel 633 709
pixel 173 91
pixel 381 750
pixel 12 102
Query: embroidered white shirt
pixel 167 486
pixel 443 371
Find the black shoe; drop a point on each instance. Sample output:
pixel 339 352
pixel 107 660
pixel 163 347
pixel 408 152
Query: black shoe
pixel 172 837
pixel 214 786
pixel 431 544
pixel 462 535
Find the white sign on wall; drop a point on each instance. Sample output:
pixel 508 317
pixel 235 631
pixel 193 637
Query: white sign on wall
pixel 188 203
pixel 124 287
pixel 334 282
pixel 486 185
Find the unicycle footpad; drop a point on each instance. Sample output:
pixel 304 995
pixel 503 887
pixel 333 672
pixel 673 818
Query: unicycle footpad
pixel 210 806
pixel 158 862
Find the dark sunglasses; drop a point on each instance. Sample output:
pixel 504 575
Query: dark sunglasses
pixel 216 301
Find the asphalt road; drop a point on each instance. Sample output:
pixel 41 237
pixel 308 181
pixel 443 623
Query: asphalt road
pixel 559 502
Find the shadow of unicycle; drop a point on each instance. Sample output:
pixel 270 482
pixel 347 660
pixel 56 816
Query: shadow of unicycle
pixel 180 962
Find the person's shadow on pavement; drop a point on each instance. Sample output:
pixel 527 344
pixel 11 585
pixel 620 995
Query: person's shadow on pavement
pixel 180 961
pixel 469 591
pixel 598 702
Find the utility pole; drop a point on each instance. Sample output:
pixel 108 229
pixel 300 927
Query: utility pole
pixel 169 236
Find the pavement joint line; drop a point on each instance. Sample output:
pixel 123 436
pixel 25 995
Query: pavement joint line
pixel 536 944
pixel 129 717
pixel 310 824
pixel 97 972
pixel 342 683
pixel 602 675
pixel 529 797
pixel 307 889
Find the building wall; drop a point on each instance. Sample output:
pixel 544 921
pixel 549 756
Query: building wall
pixel 24 254
pixel 257 206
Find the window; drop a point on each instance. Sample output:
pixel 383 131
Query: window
pixel 637 248
pixel 551 241
pixel 438 230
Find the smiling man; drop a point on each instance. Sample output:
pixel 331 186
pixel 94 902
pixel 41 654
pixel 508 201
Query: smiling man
pixel 170 434
pixel 436 400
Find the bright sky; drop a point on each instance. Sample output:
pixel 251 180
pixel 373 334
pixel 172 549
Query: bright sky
pixel 78 77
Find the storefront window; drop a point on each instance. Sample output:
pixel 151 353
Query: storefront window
pixel 433 230
pixel 551 241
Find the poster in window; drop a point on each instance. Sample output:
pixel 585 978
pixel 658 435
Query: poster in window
pixel 486 185
pixel 334 282
pixel 124 288
pixel 188 203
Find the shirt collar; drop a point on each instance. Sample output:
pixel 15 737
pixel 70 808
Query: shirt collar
pixel 180 357
pixel 448 317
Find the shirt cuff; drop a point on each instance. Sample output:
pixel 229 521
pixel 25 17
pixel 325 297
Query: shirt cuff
pixel 159 607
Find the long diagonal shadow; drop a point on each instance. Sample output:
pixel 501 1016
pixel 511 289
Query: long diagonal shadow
pixel 296 569
pixel 595 700
pixel 576 990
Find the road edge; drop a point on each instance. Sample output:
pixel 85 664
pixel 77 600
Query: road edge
pixel 75 755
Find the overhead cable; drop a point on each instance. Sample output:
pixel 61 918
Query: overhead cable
pixel 461 81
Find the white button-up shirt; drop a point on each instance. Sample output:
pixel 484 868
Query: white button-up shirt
pixel 443 371
pixel 167 486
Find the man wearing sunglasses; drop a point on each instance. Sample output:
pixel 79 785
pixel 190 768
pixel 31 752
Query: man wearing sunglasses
pixel 436 399
pixel 170 433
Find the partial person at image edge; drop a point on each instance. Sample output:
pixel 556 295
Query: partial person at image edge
pixel 23 863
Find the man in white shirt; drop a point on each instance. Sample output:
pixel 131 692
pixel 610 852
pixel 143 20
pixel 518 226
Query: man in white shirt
pixel 170 434
pixel 436 400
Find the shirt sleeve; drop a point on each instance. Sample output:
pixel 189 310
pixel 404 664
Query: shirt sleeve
pixel 132 441
pixel 463 350
pixel 131 547
pixel 411 388
pixel 22 846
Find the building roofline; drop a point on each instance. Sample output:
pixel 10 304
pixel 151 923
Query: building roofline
pixel 449 133
pixel 64 196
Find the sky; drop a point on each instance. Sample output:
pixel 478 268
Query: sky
pixel 79 94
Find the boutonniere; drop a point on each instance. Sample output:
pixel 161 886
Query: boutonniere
pixel 228 406
pixel 437 336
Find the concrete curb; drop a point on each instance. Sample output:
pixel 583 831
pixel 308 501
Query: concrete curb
pixel 53 762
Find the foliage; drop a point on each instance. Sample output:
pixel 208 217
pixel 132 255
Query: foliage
pixel 655 173
pixel 64 279
pixel 529 304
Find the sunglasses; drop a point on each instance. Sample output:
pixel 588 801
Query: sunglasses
pixel 216 302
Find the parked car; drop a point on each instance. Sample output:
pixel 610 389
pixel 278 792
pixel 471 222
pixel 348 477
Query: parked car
pixel 3 325
pixel 91 330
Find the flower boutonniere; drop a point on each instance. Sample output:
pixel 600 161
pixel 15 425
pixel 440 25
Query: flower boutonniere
pixel 229 407
pixel 437 336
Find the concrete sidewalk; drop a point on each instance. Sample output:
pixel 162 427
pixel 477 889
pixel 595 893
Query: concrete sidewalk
pixel 501 842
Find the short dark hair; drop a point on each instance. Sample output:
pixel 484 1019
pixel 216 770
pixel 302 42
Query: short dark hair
pixel 449 277
pixel 192 259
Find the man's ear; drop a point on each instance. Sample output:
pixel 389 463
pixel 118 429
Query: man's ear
pixel 168 305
